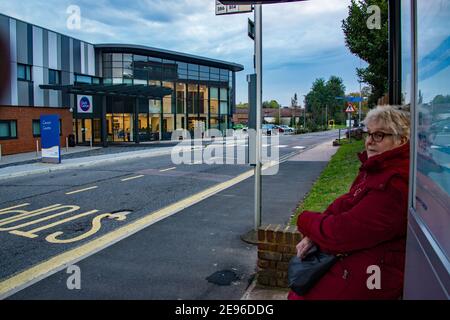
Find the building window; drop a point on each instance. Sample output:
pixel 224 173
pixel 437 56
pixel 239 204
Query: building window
pixel 54 76
pixel 8 129
pixel 79 78
pixel 37 128
pixel 23 72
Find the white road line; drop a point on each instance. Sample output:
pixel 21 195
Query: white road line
pixel 282 146
pixel 298 147
pixel 195 162
pixel 167 169
pixel 81 190
pixel 131 178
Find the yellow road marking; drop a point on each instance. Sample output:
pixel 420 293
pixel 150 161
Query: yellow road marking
pixel 27 214
pixel 167 169
pixel 81 190
pixel 59 262
pixel 4 211
pixel 96 225
pixel 31 233
pixel 70 209
pixel 131 178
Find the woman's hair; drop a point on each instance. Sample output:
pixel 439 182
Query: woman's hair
pixel 396 118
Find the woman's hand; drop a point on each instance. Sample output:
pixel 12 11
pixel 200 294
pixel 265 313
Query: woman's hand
pixel 303 247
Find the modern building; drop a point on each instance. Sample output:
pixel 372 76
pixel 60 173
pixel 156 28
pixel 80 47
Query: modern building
pixel 114 92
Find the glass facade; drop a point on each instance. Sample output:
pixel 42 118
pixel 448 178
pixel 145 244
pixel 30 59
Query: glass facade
pixel 200 97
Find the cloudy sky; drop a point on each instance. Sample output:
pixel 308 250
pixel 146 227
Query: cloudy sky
pixel 302 41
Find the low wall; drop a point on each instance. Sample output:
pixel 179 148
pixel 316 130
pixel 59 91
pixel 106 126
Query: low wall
pixel 276 246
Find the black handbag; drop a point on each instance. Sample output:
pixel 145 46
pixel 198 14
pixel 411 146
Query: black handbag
pixel 304 273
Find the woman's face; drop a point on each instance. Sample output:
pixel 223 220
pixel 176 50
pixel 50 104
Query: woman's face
pixel 379 139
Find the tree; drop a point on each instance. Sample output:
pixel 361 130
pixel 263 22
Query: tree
pixel 241 105
pixel 294 101
pixel 371 45
pixel 272 104
pixel 335 88
pixel 322 99
pixel 440 99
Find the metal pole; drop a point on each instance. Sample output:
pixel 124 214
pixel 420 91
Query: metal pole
pixel 37 148
pixel 0 152
pixel 279 114
pixel 360 104
pixel 91 141
pixel 304 117
pixel 67 144
pixel 258 71
pixel 349 127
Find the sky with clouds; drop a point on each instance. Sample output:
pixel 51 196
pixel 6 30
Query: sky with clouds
pixel 302 41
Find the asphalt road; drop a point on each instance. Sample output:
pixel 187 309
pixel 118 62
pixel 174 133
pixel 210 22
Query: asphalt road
pixel 137 189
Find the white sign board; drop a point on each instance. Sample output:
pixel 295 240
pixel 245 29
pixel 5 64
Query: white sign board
pixel 232 8
pixel 84 104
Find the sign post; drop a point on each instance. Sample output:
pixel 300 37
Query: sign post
pixel 258 67
pixel 231 8
pixel 349 112
pixel 257 4
pixel 51 150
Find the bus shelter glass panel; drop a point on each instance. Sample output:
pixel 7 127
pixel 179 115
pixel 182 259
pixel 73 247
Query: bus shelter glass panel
pixel 433 132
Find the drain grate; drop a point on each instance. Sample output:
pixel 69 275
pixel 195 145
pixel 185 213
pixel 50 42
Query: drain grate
pixel 223 277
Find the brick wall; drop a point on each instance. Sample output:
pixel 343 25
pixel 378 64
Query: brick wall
pixel 276 246
pixel 25 141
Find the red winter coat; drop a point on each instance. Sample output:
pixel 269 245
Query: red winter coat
pixel 369 224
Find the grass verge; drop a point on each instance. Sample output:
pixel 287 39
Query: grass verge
pixel 335 179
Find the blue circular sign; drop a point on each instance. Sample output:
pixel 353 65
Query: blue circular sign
pixel 85 105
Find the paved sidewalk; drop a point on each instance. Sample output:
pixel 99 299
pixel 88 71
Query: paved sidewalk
pixel 20 170
pixel 323 153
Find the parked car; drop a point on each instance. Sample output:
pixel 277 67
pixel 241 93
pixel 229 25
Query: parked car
pixel 268 129
pixel 238 126
pixel 285 129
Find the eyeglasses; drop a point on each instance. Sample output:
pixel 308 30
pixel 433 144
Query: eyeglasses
pixel 376 136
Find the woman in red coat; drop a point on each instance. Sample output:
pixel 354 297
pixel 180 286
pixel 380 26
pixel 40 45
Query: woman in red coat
pixel 368 224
